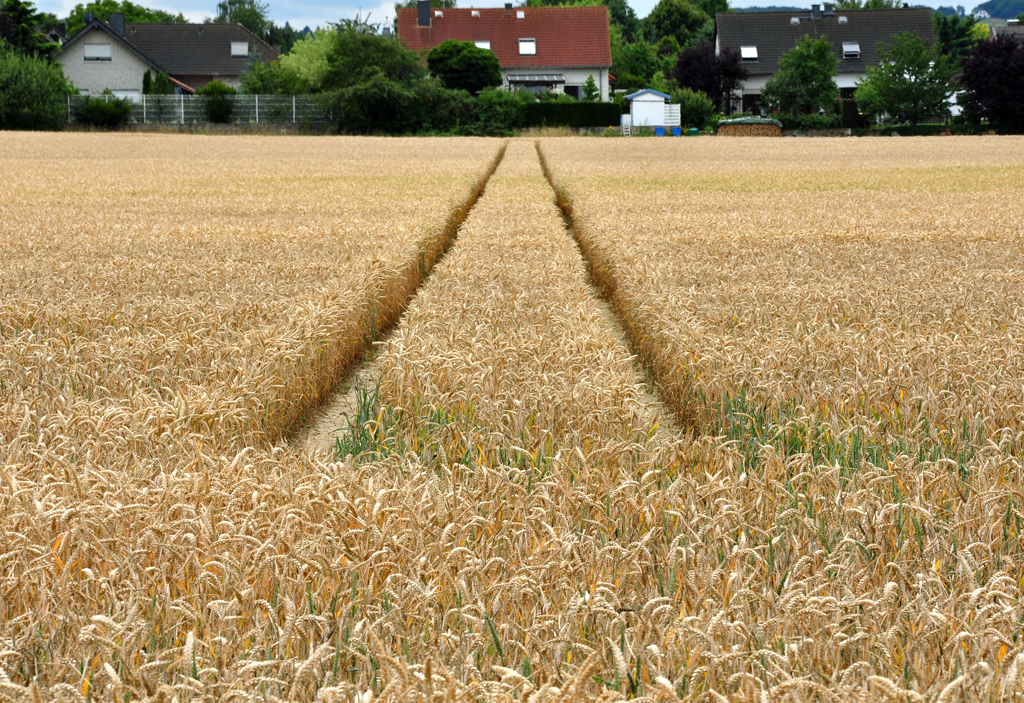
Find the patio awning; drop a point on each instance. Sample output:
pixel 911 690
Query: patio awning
pixel 543 78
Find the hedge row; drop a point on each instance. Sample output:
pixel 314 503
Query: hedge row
pixel 577 114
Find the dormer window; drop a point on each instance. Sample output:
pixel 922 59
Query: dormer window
pixel 748 53
pixel 527 47
pixel 483 45
pixel 851 50
pixel 239 49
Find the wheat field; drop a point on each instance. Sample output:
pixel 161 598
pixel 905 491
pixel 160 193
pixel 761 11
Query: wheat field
pixel 832 512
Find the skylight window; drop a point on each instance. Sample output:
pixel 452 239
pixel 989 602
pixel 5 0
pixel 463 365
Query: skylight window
pixel 851 50
pixel 474 13
pixel 527 47
pixel 794 20
pixel 520 14
pixel 483 45
pixel 239 48
pixel 438 13
pixel 842 19
pixel 748 53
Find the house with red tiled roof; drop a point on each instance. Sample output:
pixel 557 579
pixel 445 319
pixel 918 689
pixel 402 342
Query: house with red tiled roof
pixel 538 48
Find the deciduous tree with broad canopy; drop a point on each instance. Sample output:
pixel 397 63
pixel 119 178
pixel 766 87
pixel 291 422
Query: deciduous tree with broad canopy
pixel 700 69
pixel 912 80
pixel 805 81
pixel 994 78
pixel 462 65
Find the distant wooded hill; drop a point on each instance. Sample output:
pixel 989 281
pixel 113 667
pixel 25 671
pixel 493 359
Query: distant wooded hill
pixel 769 8
pixel 1003 9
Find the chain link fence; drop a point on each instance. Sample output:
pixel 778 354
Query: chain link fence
pixel 246 109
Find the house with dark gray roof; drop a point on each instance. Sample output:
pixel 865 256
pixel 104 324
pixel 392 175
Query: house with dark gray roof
pixel 114 56
pixel 761 38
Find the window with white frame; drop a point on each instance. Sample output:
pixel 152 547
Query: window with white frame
pixel 527 47
pixel 483 45
pixel 97 52
pixel 748 53
pixel 239 48
pixel 851 50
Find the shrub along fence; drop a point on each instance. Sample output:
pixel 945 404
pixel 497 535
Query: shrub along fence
pixel 245 109
pixel 572 115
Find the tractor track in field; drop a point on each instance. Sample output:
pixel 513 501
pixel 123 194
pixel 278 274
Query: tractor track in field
pixel 315 432
pixel 604 296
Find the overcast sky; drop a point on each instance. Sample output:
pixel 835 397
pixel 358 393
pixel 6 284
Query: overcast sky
pixel 313 13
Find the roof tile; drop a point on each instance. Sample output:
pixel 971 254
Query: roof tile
pixel 774 34
pixel 566 36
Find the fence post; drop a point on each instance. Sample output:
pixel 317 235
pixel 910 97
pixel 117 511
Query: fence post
pixel 69 109
pixel 257 109
pixel 143 108
pixel 293 109
pixel 181 96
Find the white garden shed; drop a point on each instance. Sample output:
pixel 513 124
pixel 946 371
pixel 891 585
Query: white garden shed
pixel 647 108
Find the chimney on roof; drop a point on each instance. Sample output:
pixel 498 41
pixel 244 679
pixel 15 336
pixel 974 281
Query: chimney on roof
pixel 117 22
pixel 423 13
pixel 815 12
pixel 88 17
pixel 508 6
pixel 62 27
pixel 830 10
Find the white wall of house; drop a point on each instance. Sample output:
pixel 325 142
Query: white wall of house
pixel 755 84
pixel 574 76
pixel 121 74
pixel 647 111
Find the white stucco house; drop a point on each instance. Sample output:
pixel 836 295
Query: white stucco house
pixel 538 48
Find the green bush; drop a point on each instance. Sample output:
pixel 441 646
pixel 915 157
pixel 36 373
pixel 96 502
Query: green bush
pixel 499 112
pixel 108 113
pixel 572 114
pixel 832 121
pixel 930 130
pixel 220 101
pixel 695 108
pixel 33 92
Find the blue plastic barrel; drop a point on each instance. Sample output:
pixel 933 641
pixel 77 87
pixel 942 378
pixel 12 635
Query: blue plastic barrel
pixel 659 131
pixel 677 131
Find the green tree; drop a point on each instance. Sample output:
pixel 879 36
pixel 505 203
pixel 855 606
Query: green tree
pixel 954 36
pixel 591 93
pixel 462 65
pixel 18 22
pixel 147 82
pixel 162 85
pixel 220 101
pixel 712 7
pixel 33 91
pixel 695 108
pixel 912 81
pixel 101 10
pixel 805 81
pixel 251 14
pixel 637 58
pixel 675 18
